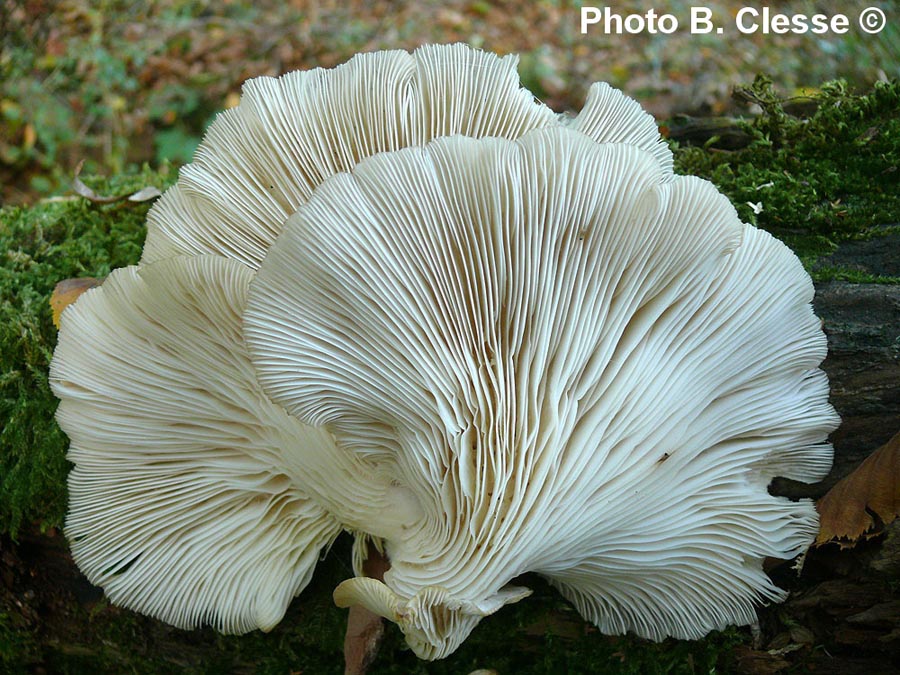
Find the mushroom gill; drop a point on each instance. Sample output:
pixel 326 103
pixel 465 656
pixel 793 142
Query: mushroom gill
pixel 404 299
pixel 580 364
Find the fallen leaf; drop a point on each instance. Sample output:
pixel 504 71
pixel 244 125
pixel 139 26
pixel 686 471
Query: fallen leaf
pixel 142 195
pixel 861 503
pixel 29 137
pixel 67 291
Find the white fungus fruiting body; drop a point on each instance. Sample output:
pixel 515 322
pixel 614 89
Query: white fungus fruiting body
pixel 579 364
pixel 261 160
pixel 490 339
pixel 162 409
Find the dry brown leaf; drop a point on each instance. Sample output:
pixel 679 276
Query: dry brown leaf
pixel 142 195
pixel 67 291
pixel 860 503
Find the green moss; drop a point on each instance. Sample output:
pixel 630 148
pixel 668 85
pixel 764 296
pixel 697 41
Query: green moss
pixel 841 273
pixel 17 645
pixel 818 180
pixel 40 246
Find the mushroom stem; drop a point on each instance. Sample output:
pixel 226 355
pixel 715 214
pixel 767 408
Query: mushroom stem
pixel 365 629
pixel 434 622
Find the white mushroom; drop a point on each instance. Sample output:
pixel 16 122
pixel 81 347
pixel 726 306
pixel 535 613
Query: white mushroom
pixel 193 498
pixel 262 159
pixel 506 342
pixel 579 365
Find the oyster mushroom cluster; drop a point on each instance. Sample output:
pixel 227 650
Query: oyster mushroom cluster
pixel 403 299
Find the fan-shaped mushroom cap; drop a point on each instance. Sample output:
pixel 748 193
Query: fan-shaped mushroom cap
pixel 545 354
pixel 579 364
pixel 193 498
pixel 257 163
pixel 263 159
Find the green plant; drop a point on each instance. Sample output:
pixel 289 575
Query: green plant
pixel 812 181
pixel 39 247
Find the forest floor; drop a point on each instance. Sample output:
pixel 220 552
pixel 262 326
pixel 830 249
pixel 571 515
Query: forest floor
pixel 123 82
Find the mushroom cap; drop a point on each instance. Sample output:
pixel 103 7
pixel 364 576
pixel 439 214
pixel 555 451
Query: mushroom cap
pixel 264 158
pixel 187 499
pixel 256 164
pixel 578 363
pixel 260 160
pixel 507 341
